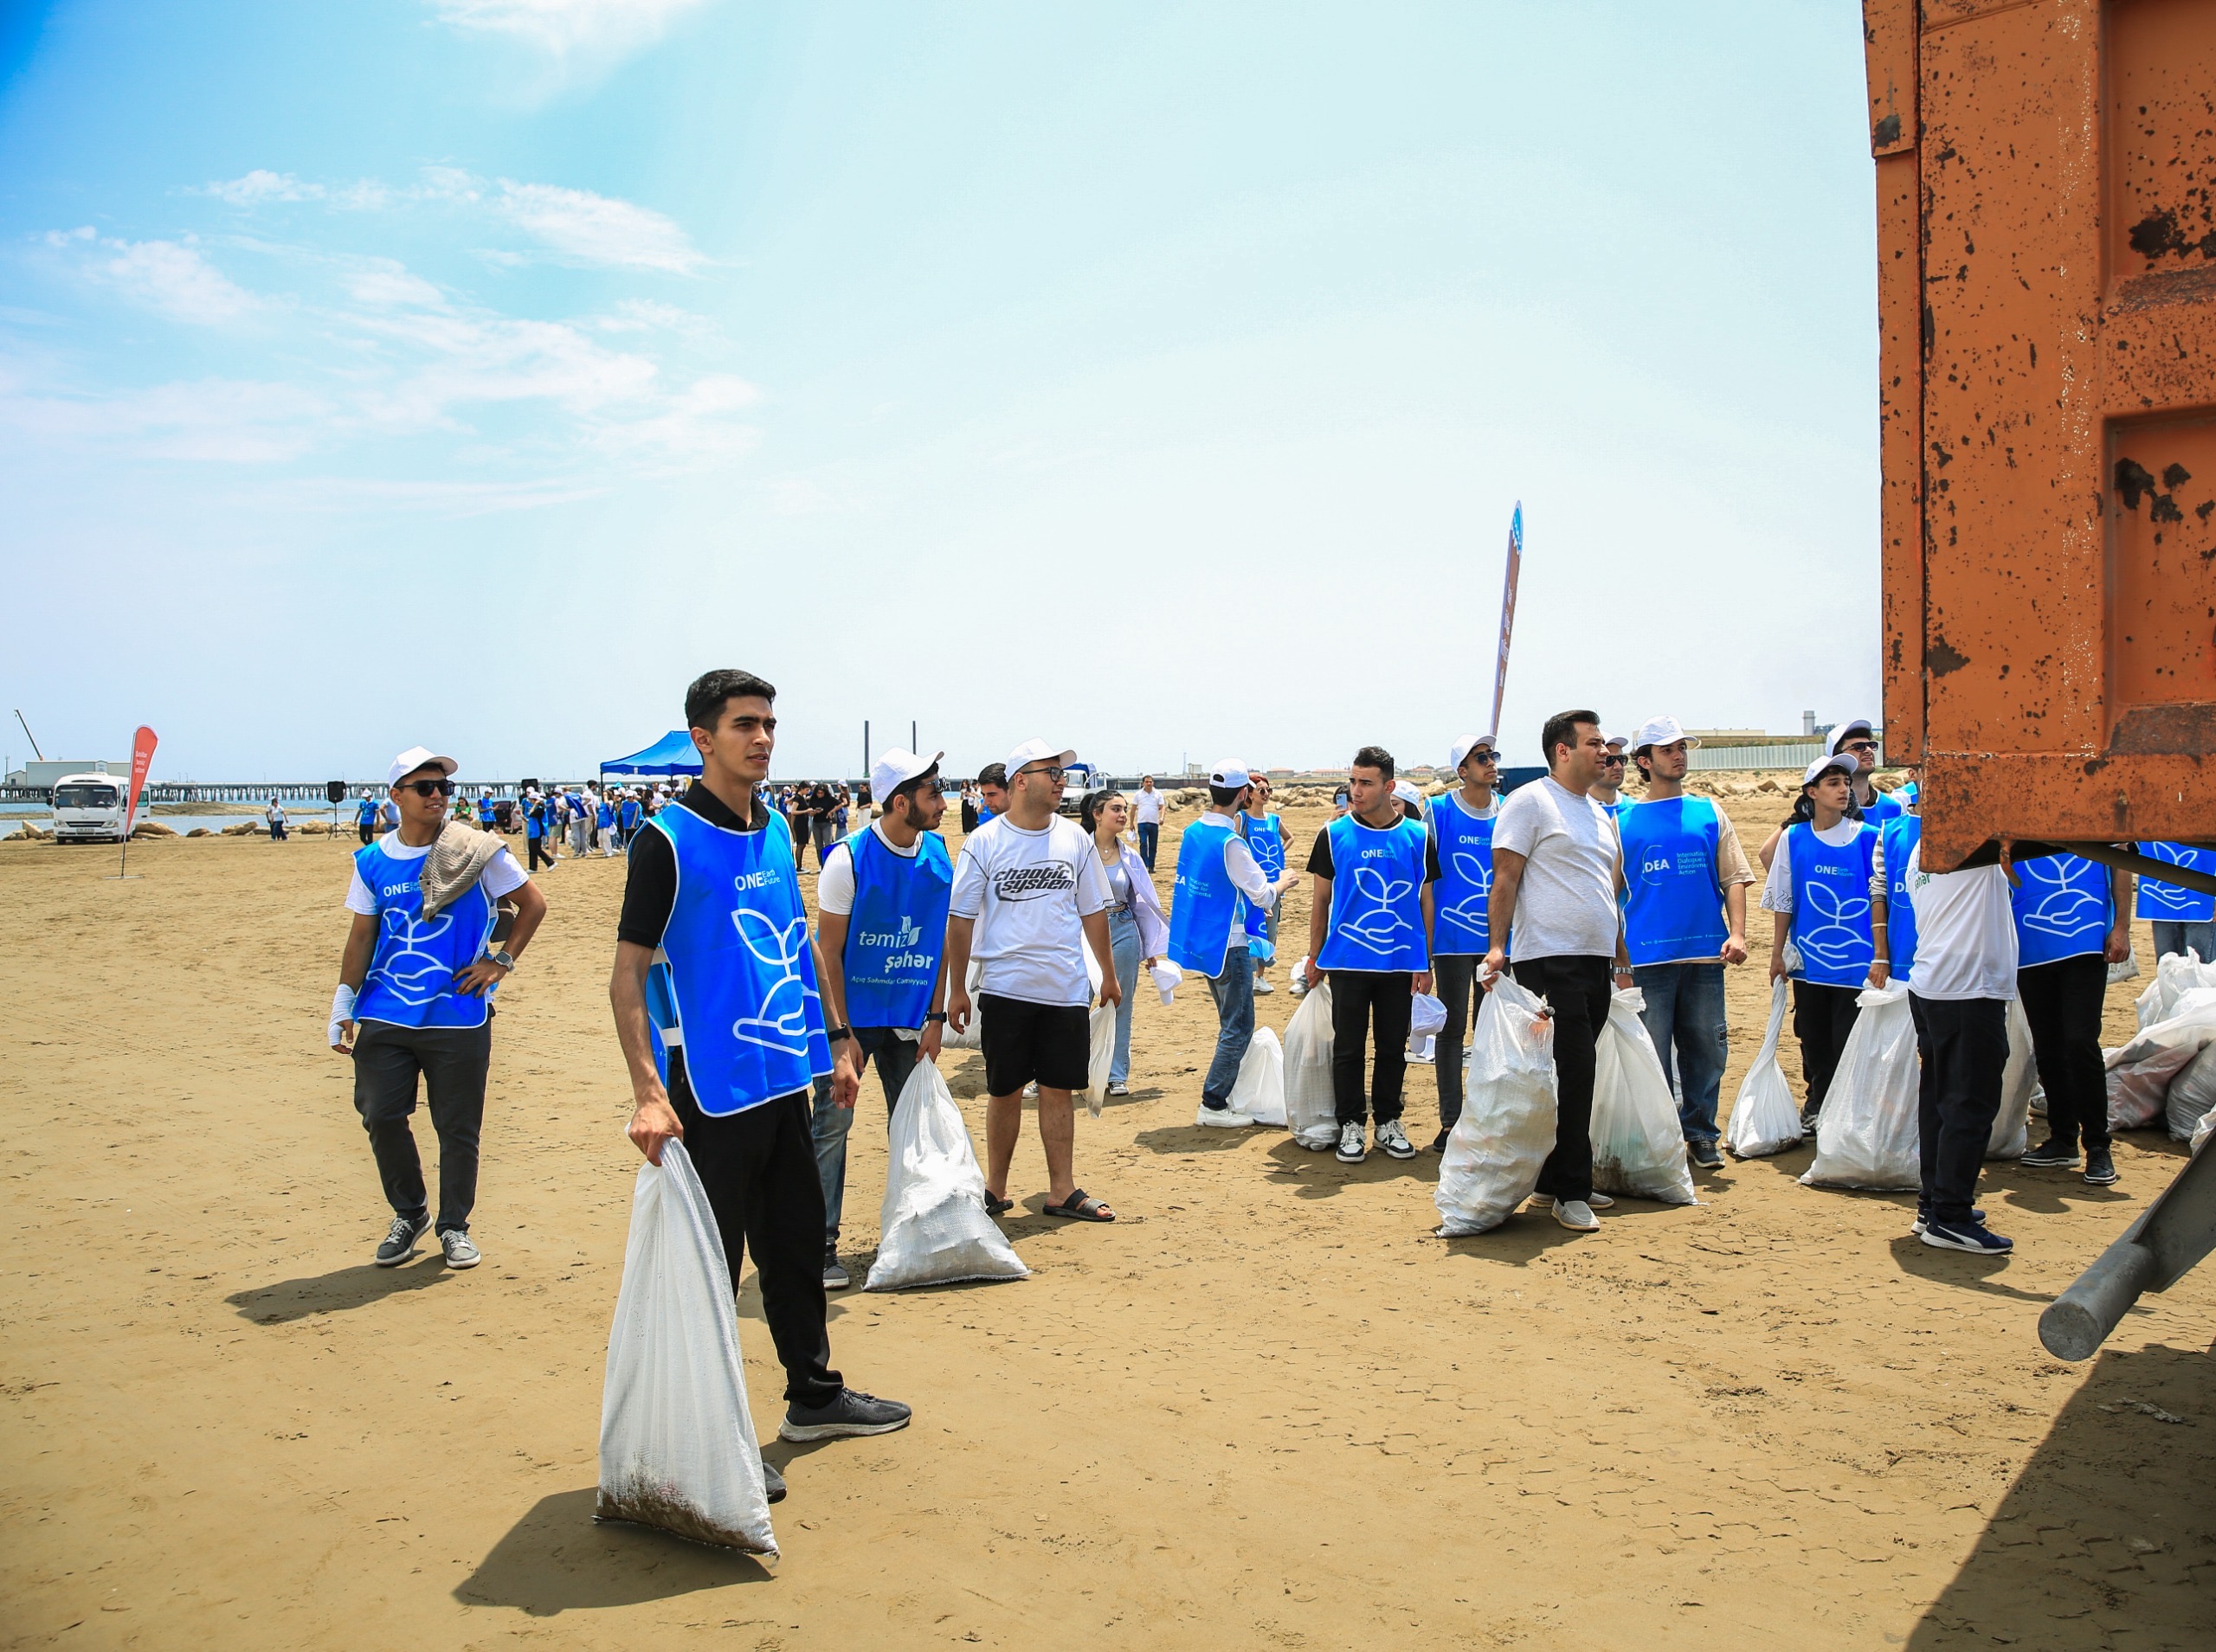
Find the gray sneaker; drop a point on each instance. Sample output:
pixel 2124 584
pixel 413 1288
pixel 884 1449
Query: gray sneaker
pixel 772 1483
pixel 835 1276
pixel 1351 1151
pixel 851 1412
pixel 400 1243
pixel 460 1253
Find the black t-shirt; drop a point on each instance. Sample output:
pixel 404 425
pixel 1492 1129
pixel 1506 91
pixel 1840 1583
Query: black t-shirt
pixel 1320 858
pixel 650 887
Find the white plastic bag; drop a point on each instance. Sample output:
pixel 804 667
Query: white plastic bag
pixel 2128 970
pixel 1166 976
pixel 2020 1081
pixel 2204 1130
pixel 677 1445
pixel 2140 1074
pixel 1639 1145
pixel 1311 1104
pixel 973 1036
pixel 1103 1059
pixel 1866 1136
pixel 2174 976
pixel 933 1225
pixel 2192 1094
pixel 1258 1096
pixel 1426 1017
pixel 1497 1147
pixel 1765 1119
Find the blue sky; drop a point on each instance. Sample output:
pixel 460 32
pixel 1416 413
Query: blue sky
pixel 1155 378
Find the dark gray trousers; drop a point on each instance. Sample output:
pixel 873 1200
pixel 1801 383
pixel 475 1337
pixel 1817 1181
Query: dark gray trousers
pixel 452 1062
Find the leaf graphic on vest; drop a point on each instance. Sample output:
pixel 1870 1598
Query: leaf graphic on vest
pixel 1375 927
pixel 411 972
pixel 2063 908
pixel 2156 898
pixel 1468 912
pixel 780 1022
pixel 1835 940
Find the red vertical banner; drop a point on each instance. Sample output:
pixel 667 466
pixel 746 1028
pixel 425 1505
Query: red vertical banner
pixel 1507 613
pixel 142 759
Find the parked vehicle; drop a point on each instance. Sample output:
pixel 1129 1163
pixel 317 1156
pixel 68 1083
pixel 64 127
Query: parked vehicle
pixel 89 808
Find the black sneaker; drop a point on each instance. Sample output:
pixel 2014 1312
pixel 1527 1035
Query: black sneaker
pixel 2100 1168
pixel 835 1276
pixel 1923 1221
pixel 773 1484
pixel 1971 1236
pixel 1439 1141
pixel 400 1243
pixel 852 1412
pixel 1705 1155
pixel 2051 1155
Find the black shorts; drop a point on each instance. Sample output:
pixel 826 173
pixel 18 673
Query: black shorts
pixel 1051 1044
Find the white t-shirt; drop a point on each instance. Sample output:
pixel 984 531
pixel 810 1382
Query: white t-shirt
pixel 834 886
pixel 1146 807
pixel 501 875
pixel 1777 893
pixel 1965 932
pixel 1028 891
pixel 1565 905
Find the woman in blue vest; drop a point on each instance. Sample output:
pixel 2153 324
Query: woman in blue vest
pixel 1264 835
pixel 1829 931
pixel 1217 881
pixel 712 886
pixel 1370 931
pixel 2184 919
pixel 2072 922
pixel 414 1002
pixel 1458 856
pixel 1138 933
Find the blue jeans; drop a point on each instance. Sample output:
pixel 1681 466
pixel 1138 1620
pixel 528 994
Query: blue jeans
pixel 2172 935
pixel 894 1058
pixel 1685 1011
pixel 1233 992
pixel 1124 943
pixel 1149 836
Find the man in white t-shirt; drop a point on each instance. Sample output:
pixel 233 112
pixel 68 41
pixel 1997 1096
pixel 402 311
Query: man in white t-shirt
pixel 1146 812
pixel 1555 863
pixel 1029 895
pixel 414 998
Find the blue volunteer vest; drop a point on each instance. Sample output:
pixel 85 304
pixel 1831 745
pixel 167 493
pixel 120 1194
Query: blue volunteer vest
pixel 603 817
pixel 2064 907
pixel 661 1016
pixel 486 814
pixel 2171 902
pixel 369 810
pixel 1204 905
pixel 1673 909
pixel 411 981
pixel 628 814
pixel 1377 897
pixel 1459 902
pixel 748 1014
pixel 1831 906
pixel 896 930
pixel 1264 835
pixel 1899 837
pixel 1883 806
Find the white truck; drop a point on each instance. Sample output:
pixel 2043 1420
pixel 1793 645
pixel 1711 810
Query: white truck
pixel 89 808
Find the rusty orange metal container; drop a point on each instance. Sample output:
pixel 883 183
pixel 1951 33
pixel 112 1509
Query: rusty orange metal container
pixel 2046 233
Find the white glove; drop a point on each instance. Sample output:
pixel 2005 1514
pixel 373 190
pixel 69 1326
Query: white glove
pixel 342 1009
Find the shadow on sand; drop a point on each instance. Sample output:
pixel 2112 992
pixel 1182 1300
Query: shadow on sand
pixel 334 1293
pixel 557 1559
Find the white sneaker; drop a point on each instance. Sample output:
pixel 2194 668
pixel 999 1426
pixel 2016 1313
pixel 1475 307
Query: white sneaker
pixel 1395 1140
pixel 1117 1087
pixel 1262 987
pixel 1576 1215
pixel 1222 1116
pixel 460 1253
pixel 1351 1152
pixel 1300 987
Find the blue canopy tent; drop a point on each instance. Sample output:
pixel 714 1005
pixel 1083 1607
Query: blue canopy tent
pixel 674 754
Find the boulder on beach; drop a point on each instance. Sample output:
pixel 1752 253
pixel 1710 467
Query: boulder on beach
pixel 200 831
pixel 152 829
pixel 313 828
pixel 243 829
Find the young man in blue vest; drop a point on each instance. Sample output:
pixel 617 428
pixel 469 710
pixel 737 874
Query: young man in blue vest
pixel 628 815
pixel 712 888
pixel 992 792
pixel 1555 860
pixel 1856 738
pixel 1218 879
pixel 1685 880
pixel 881 927
pixel 414 999
pixel 2073 920
pixel 1263 830
pixel 1369 932
pixel 1461 856
pixel 365 820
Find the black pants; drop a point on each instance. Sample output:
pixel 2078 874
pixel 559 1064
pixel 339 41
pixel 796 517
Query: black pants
pixel 1822 1017
pixel 1361 999
pixel 1451 978
pixel 452 1062
pixel 538 852
pixel 368 833
pixel 1963 1046
pixel 758 1168
pixel 1576 988
pixel 2063 1001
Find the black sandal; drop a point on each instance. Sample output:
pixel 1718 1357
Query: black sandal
pixel 1080 1208
pixel 995 1206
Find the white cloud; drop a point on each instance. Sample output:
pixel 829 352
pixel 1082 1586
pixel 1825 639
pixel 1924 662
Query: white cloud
pixel 562 27
pixel 261 185
pixel 695 422
pixel 224 421
pixel 598 228
pixel 389 285
pixel 650 315
pixel 165 275
pixel 465 360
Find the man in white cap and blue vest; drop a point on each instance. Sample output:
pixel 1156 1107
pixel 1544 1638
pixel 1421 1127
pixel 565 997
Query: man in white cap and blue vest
pixel 1218 880
pixel 1858 738
pixel 881 906
pixel 1460 851
pixel 415 995
pixel 1684 878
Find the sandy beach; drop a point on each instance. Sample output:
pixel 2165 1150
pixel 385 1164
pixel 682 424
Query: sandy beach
pixel 1266 1408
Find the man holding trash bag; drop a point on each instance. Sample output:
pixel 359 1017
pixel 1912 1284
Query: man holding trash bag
pixel 1685 882
pixel 1460 850
pixel 713 888
pixel 881 929
pixel 1556 870
pixel 1218 879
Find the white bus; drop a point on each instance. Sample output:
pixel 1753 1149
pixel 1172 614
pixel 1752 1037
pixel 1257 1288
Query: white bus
pixel 88 808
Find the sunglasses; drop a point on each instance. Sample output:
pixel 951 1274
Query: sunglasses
pixel 1860 746
pixel 1615 758
pixel 1482 756
pixel 1051 772
pixel 428 787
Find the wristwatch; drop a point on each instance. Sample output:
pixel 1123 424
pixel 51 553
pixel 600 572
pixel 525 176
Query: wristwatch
pixel 833 1034
pixel 936 1015
pixel 500 958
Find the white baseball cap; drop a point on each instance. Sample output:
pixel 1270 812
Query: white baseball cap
pixel 1462 748
pixel 895 769
pixel 417 757
pixel 1614 741
pixel 1838 760
pixel 1847 729
pixel 1231 774
pixel 1407 791
pixel 1662 731
pixel 1037 751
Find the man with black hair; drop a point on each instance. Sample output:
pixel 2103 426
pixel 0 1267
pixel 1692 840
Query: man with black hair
pixel 1370 931
pixel 880 921
pixel 1459 858
pixel 1556 863
pixel 992 792
pixel 749 1036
